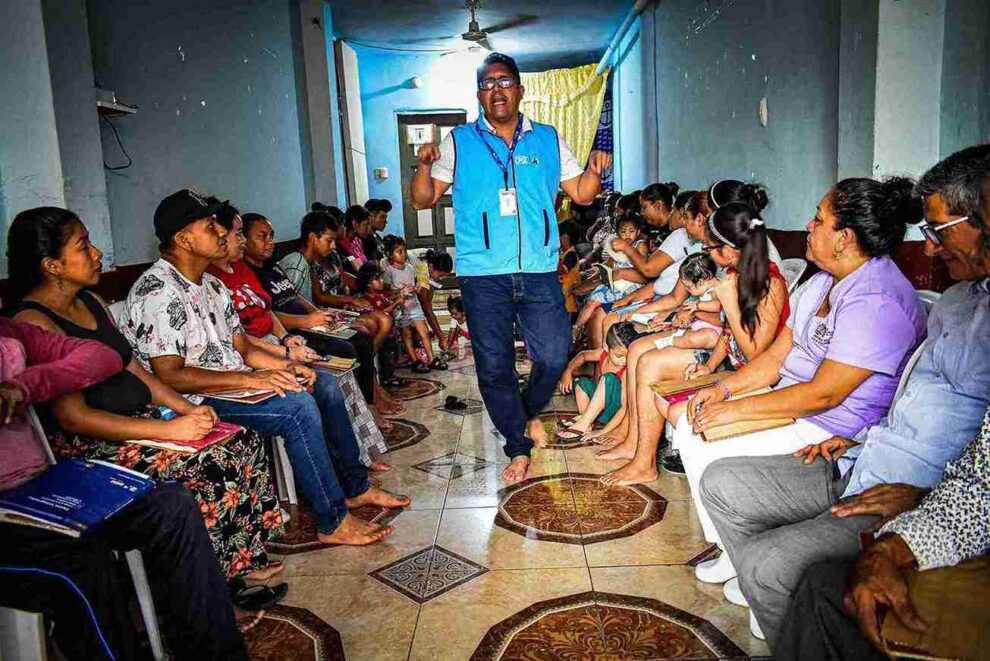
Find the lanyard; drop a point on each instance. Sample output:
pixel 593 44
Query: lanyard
pixel 512 149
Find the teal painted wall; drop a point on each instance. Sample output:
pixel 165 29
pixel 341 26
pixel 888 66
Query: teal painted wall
pixel 448 84
pixel 965 93
pixel 715 61
pixel 216 90
pixel 632 103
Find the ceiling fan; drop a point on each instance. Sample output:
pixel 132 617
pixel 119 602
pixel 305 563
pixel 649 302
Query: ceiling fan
pixel 476 37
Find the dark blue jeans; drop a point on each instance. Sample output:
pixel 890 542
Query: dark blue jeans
pixel 493 304
pixel 319 440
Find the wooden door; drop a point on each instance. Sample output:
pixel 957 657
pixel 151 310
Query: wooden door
pixel 428 228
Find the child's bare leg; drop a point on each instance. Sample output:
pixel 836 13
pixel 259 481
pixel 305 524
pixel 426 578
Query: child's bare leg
pixel 407 341
pixel 587 312
pixel 586 420
pixel 637 350
pixel 702 339
pixel 384 326
pixel 424 335
pixel 582 399
pixel 600 325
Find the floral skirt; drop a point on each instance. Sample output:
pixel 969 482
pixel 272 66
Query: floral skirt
pixel 230 481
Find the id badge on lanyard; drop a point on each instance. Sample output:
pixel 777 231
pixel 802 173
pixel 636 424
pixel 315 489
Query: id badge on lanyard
pixel 507 202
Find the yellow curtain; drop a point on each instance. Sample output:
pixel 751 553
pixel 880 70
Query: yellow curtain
pixel 570 100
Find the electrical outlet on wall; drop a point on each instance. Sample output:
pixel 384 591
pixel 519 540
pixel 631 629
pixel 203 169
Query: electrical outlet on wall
pixel 381 174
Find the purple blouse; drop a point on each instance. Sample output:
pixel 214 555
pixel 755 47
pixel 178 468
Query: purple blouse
pixel 874 322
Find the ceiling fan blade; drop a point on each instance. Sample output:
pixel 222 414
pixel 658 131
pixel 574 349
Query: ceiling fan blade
pixel 487 45
pixel 515 22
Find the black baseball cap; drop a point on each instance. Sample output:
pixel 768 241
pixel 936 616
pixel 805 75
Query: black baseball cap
pixel 180 209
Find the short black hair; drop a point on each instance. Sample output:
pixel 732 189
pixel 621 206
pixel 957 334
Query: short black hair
pixel 697 267
pixel 317 222
pixel 959 179
pixel 374 205
pixel 440 260
pixel 631 218
pixel 498 58
pixel 250 218
pixel 355 214
pixel 391 242
pixel 455 304
pixel 571 231
pixel 365 275
pixel 621 334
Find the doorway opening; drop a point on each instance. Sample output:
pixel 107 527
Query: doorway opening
pixel 426 228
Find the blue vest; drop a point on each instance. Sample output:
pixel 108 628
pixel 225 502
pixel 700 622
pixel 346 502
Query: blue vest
pixel 487 242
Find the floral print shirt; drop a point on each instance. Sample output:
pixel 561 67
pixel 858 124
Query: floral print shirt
pixel 168 315
pixel 952 523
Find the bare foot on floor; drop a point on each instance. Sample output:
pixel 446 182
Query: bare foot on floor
pixel 516 471
pixel 629 475
pixel 353 531
pixel 379 467
pixel 379 497
pixel 607 442
pixel 261 575
pixel 536 432
pixel 246 620
pixel 624 450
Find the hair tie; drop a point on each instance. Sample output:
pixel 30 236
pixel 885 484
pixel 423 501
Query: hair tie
pixel 756 222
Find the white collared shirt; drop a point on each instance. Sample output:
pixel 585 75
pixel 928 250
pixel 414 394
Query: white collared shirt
pixel 443 169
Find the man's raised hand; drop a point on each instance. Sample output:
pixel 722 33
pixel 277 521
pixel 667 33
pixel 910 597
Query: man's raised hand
pixel 598 162
pixel 428 154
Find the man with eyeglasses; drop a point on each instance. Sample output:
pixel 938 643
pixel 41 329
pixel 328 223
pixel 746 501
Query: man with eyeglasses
pixel 890 465
pixel 505 171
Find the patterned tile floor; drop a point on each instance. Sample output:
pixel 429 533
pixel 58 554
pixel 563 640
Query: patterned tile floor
pixel 557 567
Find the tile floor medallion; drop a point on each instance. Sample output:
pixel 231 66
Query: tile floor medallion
pixel 576 508
pixel 600 625
pixel 428 573
pixel 293 633
pixel 413 387
pixel 472 407
pixel 452 465
pixel 299 535
pixel 403 434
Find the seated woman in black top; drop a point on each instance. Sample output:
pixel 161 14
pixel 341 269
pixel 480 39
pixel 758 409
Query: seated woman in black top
pixel 298 314
pixel 51 261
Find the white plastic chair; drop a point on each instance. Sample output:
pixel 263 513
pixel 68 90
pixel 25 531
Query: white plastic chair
pixel 22 645
pixel 928 298
pixel 285 483
pixel 908 368
pixel 792 269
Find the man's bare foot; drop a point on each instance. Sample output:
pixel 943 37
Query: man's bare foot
pixel 261 575
pixel 379 467
pixel 536 433
pixel 353 531
pixel 607 442
pixel 517 470
pixel 246 620
pixel 624 450
pixel 629 475
pixel 379 497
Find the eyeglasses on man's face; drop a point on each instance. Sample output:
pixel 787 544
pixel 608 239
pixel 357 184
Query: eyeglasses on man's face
pixel 932 230
pixel 490 83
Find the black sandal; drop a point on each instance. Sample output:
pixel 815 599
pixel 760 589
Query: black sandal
pixel 438 364
pixel 256 597
pixel 392 382
pixel 452 403
pixel 419 367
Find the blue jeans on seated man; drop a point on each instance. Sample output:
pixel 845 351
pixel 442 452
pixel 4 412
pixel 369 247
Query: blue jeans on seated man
pixel 493 304
pixel 319 440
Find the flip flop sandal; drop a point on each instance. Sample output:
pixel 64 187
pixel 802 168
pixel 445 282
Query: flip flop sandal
pixel 438 364
pixel 452 403
pixel 393 382
pixel 420 368
pixel 568 435
pixel 257 597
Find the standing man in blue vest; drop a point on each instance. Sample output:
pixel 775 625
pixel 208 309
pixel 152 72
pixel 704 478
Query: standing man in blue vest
pixel 506 171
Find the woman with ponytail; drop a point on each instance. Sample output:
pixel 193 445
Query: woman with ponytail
pixel 835 366
pixel 754 310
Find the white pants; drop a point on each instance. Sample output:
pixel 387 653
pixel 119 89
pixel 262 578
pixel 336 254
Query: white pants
pixel 696 454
